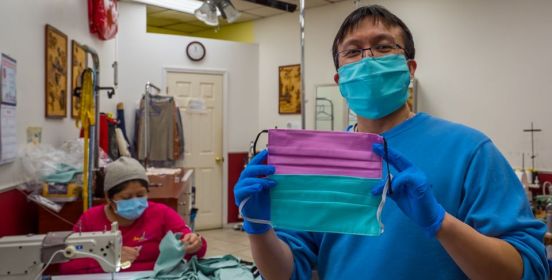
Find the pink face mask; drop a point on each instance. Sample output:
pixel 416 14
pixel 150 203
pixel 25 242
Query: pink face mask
pixel 324 153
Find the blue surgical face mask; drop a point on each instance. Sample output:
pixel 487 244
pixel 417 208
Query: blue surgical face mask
pixel 375 87
pixel 131 209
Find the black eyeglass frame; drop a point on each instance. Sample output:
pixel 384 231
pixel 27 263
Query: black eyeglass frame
pixel 363 50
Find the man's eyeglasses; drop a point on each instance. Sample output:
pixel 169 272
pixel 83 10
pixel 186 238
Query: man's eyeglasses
pixel 378 50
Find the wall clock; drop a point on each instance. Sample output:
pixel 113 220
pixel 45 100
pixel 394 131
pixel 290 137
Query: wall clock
pixel 195 51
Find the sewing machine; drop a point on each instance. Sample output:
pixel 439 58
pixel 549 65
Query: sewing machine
pixel 27 256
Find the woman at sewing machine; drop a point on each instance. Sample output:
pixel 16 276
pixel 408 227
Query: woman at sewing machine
pixel 142 223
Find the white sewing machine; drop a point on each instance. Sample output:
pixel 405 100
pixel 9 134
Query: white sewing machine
pixel 24 256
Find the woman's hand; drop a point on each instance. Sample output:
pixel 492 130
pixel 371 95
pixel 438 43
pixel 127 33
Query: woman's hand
pixel 129 254
pixel 193 242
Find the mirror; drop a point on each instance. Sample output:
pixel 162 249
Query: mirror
pixel 331 112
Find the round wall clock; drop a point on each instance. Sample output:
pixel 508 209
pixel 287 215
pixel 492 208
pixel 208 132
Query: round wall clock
pixel 195 51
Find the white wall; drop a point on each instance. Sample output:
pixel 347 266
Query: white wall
pixel 482 63
pixel 22 37
pixel 142 57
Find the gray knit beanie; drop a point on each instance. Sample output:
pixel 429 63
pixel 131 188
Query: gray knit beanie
pixel 122 170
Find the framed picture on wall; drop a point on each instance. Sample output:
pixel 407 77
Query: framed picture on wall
pixel 56 73
pixel 78 64
pixel 289 89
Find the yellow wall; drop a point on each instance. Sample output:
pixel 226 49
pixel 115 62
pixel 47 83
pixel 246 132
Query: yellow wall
pixel 153 29
pixel 239 32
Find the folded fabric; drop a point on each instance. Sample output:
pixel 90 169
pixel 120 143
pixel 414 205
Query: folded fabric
pixel 64 174
pixel 171 264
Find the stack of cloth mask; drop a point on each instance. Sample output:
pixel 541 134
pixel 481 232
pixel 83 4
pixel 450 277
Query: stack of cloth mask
pixel 171 265
pixel 325 181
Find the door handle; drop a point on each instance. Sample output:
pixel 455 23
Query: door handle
pixel 219 159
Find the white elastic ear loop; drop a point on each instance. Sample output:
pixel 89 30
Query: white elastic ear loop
pixel 382 202
pixel 251 220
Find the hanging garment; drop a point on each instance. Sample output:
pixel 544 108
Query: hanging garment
pixel 178 135
pixel 113 148
pixel 164 141
pixel 171 265
pixel 324 181
pixel 160 131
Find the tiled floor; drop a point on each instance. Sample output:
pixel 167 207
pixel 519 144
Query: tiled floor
pixel 227 241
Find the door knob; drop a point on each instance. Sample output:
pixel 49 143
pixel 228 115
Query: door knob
pixel 219 159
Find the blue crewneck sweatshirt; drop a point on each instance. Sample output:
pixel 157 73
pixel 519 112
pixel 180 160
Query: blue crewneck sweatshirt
pixel 470 179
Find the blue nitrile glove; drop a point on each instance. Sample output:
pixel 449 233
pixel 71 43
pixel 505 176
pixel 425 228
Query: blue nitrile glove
pixel 412 192
pixel 254 187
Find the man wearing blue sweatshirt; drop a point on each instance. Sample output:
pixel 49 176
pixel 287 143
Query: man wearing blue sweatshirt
pixel 457 210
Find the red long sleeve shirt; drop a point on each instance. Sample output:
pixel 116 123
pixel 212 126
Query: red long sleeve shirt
pixel 146 232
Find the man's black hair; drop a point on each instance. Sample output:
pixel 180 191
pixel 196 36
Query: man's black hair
pixel 378 14
pixel 120 187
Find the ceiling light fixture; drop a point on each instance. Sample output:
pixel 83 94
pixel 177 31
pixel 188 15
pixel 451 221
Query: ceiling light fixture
pixel 276 4
pixel 208 11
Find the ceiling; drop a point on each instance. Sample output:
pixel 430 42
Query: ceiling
pixel 179 22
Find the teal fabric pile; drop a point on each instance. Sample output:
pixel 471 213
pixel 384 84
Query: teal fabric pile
pixel 64 174
pixel 172 265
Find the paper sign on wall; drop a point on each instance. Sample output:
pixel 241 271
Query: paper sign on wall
pixel 8 136
pixel 8 95
pixel 9 70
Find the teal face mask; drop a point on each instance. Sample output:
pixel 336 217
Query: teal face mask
pixel 131 209
pixel 374 87
pixel 321 203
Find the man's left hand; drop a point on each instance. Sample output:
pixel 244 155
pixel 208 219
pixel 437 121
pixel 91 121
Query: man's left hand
pixel 412 192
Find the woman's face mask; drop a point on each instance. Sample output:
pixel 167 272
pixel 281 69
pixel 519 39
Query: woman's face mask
pixel 131 209
pixel 131 202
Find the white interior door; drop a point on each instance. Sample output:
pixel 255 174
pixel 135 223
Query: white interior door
pixel 199 98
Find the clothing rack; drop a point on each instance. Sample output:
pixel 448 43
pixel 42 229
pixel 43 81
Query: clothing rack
pixel 149 87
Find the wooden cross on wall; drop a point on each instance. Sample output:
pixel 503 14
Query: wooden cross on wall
pixel 532 130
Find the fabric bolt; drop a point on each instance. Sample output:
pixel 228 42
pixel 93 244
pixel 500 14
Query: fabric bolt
pixel 146 232
pixel 121 121
pixel 170 265
pixel 122 143
pixel 471 179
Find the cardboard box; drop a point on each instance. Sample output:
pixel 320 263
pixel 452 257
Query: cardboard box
pixel 168 185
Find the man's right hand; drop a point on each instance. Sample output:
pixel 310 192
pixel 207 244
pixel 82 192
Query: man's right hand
pixel 129 254
pixel 253 186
